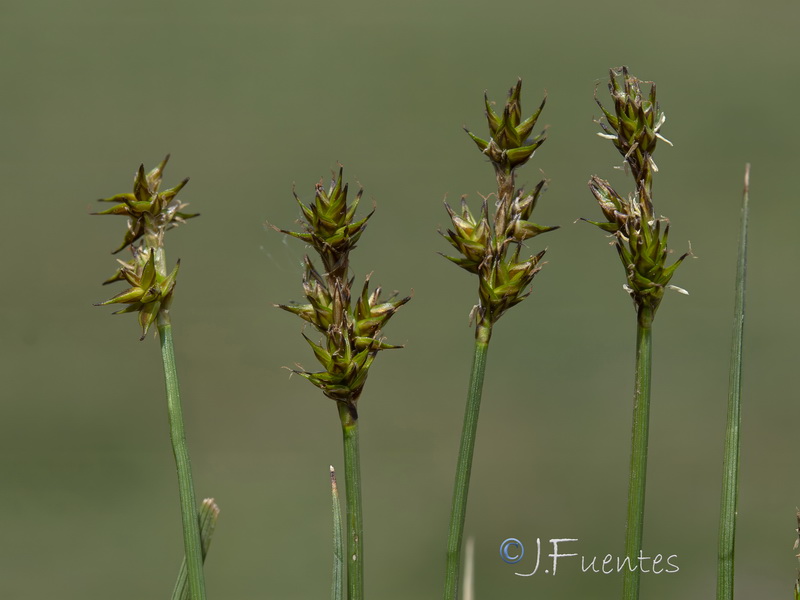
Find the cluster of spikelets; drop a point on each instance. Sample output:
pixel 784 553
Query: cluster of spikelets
pixel 150 213
pixel 640 237
pixel 493 250
pixel 350 325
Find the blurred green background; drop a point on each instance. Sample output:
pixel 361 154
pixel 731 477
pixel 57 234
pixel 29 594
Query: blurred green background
pixel 251 97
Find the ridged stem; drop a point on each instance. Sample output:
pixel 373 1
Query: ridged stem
pixel 352 479
pixel 189 516
pixel 730 466
pixel 464 465
pixel 638 470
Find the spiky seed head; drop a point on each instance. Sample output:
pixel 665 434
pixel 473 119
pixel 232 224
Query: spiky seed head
pixel 635 123
pixel 640 238
pixel 510 144
pixel 351 327
pixel 470 236
pixel 491 250
pixel 505 283
pixel 329 224
pixel 150 213
pixel 149 290
pixel 147 201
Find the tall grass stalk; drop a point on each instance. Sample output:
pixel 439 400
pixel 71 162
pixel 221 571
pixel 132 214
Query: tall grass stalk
pixel 640 239
pixel 639 443
pixel 492 251
pixel 189 516
pixel 469 431
pixel 350 323
pixel 150 214
pixel 730 468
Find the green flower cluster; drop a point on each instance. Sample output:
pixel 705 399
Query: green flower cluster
pixel 510 145
pixel 351 326
pixel 640 237
pixel 150 214
pixel 492 250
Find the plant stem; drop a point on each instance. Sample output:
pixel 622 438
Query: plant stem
pixel 464 465
pixel 352 478
pixel 639 435
pixel 189 516
pixel 730 468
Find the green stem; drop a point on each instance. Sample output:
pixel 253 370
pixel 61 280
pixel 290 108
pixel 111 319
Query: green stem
pixel 730 468
pixel 639 435
pixel 464 465
pixel 352 479
pixel 189 516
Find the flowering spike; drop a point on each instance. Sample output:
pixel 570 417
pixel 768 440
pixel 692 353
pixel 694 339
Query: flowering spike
pixel 640 238
pixel 504 278
pixel 150 214
pixel 351 326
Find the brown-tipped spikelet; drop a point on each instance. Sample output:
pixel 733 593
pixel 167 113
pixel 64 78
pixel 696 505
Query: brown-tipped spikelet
pixel 148 292
pixel 492 250
pixel 640 237
pixel 351 326
pixel 146 202
pixel 329 226
pixel 510 144
pixel 150 214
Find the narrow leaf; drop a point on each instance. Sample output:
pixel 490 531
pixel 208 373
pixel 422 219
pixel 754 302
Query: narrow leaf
pixel 337 583
pixel 730 469
pixel 209 512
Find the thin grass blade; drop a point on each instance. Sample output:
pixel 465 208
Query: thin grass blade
pixel 337 583
pixel 730 474
pixel 209 513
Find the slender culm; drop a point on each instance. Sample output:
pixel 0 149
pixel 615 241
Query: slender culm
pixel 350 323
pixel 493 252
pixel 150 214
pixel 640 239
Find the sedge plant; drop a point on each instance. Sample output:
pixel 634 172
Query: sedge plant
pixel 351 326
pixel 150 213
pixel 492 250
pixel 640 238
